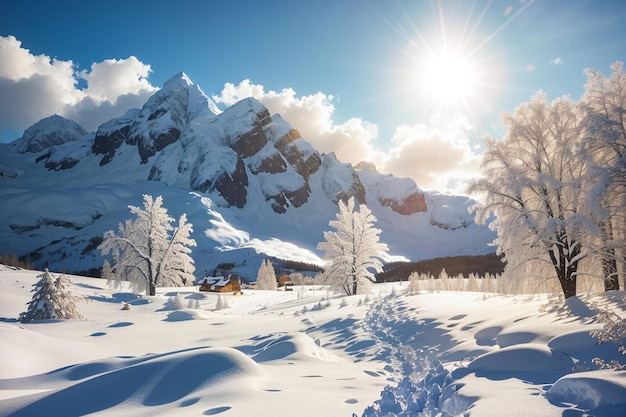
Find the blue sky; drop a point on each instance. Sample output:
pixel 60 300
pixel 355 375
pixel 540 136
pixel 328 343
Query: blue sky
pixel 352 75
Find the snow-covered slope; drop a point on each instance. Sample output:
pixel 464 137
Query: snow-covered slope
pixel 301 353
pixel 249 183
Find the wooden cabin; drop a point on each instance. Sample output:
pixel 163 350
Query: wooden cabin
pixel 221 284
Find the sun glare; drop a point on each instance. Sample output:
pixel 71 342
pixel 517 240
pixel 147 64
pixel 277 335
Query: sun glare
pixel 448 78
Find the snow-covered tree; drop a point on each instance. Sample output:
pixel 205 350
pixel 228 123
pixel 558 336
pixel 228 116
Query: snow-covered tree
pixel 107 272
pixel 221 303
pixel 177 302
pixel 414 283
pixel 193 303
pixel 353 250
pixel 297 278
pixel 614 330
pixel 266 277
pixel 51 300
pixel 533 182
pixel 605 144
pixel 148 251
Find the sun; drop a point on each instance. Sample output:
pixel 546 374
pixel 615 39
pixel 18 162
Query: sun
pixel 448 78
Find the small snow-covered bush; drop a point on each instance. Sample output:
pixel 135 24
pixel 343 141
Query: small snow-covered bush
pixel 175 303
pixel 318 306
pixel 221 303
pixel 614 330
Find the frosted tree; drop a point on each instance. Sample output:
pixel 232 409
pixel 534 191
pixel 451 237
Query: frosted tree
pixel 414 283
pixel 353 250
pixel 533 182
pixel 297 278
pixel 177 302
pixel 473 283
pixel 221 303
pixel 605 143
pixel 266 277
pixel 614 330
pixel 193 303
pixel 51 300
pixel 107 272
pixel 148 251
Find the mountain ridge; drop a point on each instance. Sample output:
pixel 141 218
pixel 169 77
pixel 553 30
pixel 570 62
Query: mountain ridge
pixel 250 183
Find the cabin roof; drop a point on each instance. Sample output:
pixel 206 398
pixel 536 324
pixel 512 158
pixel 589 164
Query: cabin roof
pixel 215 281
pixel 222 281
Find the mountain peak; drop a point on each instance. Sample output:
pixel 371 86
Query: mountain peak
pixel 177 81
pixel 367 165
pixel 197 99
pixel 50 131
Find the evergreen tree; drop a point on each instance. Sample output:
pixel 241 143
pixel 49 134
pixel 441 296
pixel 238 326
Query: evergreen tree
pixel 148 251
pixel 176 302
pixel 51 300
pixel 414 283
pixel 353 249
pixel 221 303
pixel 266 277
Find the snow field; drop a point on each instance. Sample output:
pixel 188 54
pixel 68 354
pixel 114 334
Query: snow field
pixel 305 353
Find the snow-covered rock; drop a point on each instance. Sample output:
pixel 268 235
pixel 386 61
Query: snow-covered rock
pixel 53 130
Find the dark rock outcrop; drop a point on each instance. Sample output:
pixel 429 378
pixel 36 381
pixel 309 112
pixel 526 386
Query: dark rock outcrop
pixel 232 186
pixel 156 141
pixel 109 137
pixel 411 204
pixel 272 164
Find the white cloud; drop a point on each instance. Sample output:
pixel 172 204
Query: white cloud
pixel 111 78
pixel 436 155
pixel 36 86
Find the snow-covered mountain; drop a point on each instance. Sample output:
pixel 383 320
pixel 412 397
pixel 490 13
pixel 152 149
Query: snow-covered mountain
pixel 53 130
pixel 249 183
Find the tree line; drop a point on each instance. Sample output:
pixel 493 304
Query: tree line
pixel 463 265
